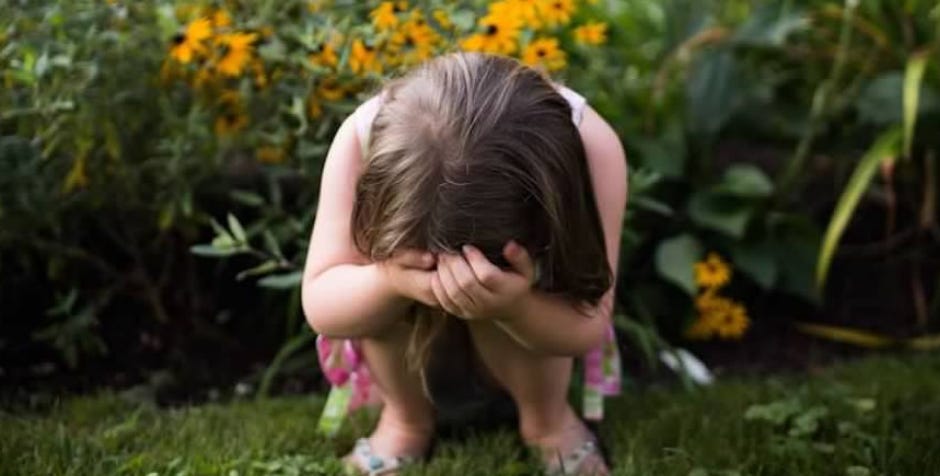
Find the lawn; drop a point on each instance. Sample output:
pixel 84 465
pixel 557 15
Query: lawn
pixel 879 416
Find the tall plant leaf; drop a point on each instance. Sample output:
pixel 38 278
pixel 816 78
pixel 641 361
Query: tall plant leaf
pixel 884 149
pixel 913 77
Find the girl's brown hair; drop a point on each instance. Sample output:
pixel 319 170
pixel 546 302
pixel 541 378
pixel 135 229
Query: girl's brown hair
pixel 481 149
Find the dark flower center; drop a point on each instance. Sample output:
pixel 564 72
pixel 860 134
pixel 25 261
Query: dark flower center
pixel 491 29
pixel 178 39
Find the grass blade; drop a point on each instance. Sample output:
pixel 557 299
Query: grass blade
pixel 913 76
pixel 884 148
pixel 847 335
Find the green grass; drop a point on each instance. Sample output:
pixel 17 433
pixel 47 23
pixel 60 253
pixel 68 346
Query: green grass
pixel 875 417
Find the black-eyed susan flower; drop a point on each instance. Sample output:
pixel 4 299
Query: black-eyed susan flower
pixel 324 55
pixel 331 89
pixel 190 42
pixel 556 12
pixel 712 273
pixel 230 122
pixel 545 53
pixel 413 42
pixel 591 33
pixel 238 52
pixel 232 117
pixel 718 316
pixel 363 59
pixel 385 16
pixel 526 12
pixel 499 35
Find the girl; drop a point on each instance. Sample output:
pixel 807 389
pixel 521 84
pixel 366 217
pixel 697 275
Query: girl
pixel 472 195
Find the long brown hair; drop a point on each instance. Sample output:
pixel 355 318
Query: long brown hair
pixel 480 149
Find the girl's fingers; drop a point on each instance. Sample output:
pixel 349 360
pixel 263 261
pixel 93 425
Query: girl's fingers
pixel 487 274
pixel 452 285
pixel 520 260
pixel 422 286
pixel 441 295
pixel 413 258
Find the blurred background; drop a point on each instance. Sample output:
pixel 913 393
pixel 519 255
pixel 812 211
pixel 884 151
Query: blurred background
pixel 160 161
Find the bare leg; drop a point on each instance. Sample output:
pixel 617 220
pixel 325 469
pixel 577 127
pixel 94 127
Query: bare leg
pixel 539 386
pixel 407 420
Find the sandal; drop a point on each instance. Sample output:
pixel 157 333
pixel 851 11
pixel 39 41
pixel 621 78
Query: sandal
pixel 571 463
pixel 363 461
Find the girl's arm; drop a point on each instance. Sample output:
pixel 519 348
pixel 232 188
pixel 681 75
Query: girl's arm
pixel 343 293
pixel 548 324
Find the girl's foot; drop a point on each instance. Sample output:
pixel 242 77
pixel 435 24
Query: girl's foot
pixel 392 445
pixel 569 449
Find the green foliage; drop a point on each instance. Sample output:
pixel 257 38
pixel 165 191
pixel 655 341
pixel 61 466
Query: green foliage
pixel 873 415
pixel 118 164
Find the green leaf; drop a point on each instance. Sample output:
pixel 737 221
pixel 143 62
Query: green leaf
pixel 282 281
pixel 884 149
pixel 728 215
pixel 796 260
pixel 675 259
pixel 665 154
pixel 712 92
pixel 881 102
pixel 770 26
pixel 237 231
pixel 745 180
pixel 913 77
pixel 212 251
pixel 757 260
pixel 263 268
pixel 250 199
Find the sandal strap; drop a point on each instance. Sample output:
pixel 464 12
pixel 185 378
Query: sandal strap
pixel 372 464
pixel 571 463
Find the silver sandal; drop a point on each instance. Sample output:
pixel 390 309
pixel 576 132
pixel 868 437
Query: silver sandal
pixel 571 463
pixel 364 461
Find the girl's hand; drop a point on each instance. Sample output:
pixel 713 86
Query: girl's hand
pixel 408 273
pixel 471 287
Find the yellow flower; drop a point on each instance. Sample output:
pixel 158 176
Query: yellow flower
pixel 526 12
pixel 232 117
pixel 220 18
pixel 331 90
pixel 385 16
pixel 556 12
pixel 230 122
pixel 591 33
pixel 362 58
pixel 237 47
pixel 415 37
pixel 498 36
pixel 712 273
pixel 718 316
pixel 270 154
pixel 544 52
pixel 324 55
pixel 188 44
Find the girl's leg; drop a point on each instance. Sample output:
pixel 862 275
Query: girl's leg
pixel 406 422
pixel 539 386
